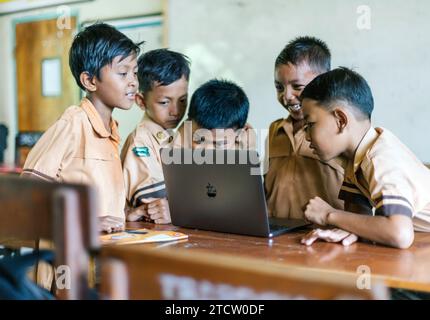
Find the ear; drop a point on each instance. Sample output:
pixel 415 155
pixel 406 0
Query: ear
pixel 140 100
pixel 88 81
pixel 341 119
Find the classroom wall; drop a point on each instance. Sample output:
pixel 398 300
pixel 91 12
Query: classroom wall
pixel 87 11
pixel 240 39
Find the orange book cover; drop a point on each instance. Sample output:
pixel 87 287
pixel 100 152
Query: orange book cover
pixel 141 236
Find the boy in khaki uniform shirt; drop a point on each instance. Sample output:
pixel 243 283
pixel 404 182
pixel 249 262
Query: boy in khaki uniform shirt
pixel 216 119
pixel 386 188
pixel 82 146
pixel 163 85
pixel 295 173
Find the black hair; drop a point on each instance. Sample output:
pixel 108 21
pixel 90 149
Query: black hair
pixel 219 104
pixel 306 49
pixel 162 66
pixel 341 84
pixel 96 46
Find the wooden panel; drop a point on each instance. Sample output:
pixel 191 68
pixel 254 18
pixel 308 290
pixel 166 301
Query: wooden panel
pixel 62 213
pixel 184 274
pixel 28 209
pixel 407 269
pixel 36 41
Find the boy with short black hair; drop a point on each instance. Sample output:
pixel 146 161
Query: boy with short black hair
pixel 217 118
pixel 382 173
pixel 163 95
pixel 82 146
pixel 295 174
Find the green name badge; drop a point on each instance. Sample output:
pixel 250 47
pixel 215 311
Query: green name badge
pixel 141 151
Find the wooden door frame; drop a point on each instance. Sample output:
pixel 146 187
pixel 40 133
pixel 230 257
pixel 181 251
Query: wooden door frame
pixel 33 18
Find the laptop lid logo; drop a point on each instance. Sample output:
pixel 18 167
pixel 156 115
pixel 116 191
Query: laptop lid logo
pixel 211 191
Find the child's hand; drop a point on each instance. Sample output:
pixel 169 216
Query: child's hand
pixel 158 210
pixel 317 211
pixel 136 214
pixel 111 224
pixel 329 235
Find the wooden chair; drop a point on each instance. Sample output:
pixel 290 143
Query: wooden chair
pixel 3 141
pixel 137 272
pixel 62 213
pixel 24 141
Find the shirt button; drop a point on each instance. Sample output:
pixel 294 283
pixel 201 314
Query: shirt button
pixel 160 135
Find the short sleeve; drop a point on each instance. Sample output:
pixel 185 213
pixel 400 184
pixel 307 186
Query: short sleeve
pixel 143 174
pixel 391 188
pixel 47 158
pixel 350 193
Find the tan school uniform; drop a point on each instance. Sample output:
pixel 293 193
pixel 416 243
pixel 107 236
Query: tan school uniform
pixel 296 175
pixel 77 148
pixel 387 177
pixel 140 156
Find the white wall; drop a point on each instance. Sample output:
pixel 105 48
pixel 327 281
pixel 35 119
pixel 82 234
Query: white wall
pixel 240 39
pixel 95 10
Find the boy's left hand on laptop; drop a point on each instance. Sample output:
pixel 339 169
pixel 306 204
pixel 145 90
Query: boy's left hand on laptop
pixel 329 235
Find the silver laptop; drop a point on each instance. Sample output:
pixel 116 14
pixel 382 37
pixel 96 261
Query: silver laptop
pixel 219 190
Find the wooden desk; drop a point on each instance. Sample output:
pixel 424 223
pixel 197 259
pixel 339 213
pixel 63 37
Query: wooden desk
pixel 408 269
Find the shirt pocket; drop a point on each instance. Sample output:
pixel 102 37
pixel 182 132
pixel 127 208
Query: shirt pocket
pixel 92 164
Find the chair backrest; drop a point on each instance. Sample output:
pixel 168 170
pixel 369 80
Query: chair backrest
pixel 145 273
pixel 24 141
pixel 3 141
pixel 63 213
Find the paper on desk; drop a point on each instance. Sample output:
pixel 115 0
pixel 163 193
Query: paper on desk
pixel 147 236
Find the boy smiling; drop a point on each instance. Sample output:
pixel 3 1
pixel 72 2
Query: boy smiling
pixel 296 175
pixel 82 146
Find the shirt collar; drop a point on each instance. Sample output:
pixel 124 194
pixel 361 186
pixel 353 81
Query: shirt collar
pixel 365 144
pixel 97 122
pixel 284 126
pixel 160 134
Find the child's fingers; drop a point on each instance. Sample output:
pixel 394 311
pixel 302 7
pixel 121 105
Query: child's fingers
pixel 326 235
pixel 133 217
pixel 137 214
pixel 118 228
pixel 107 229
pixel 161 221
pixel 154 204
pixel 349 240
pixel 310 237
pixel 334 235
pixel 148 200
pixel 157 215
pixel 110 224
pixel 153 210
